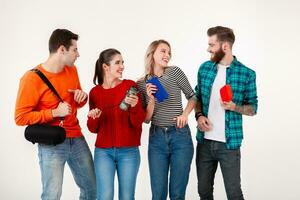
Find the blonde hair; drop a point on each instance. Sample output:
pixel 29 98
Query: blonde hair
pixel 149 61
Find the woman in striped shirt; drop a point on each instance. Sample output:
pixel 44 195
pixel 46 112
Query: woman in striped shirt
pixel 170 144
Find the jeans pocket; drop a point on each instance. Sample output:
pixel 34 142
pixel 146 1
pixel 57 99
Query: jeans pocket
pixel 151 131
pixel 184 130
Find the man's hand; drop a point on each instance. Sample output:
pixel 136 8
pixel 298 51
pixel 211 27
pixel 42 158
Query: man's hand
pixel 204 124
pixel 228 105
pixel 63 109
pixel 79 95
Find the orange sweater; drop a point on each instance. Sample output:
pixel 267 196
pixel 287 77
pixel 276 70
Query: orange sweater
pixel 35 100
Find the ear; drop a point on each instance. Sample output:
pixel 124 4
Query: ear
pixel 61 49
pixel 105 66
pixel 225 46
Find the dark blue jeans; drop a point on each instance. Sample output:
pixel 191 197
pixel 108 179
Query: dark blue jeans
pixel 208 155
pixel 170 148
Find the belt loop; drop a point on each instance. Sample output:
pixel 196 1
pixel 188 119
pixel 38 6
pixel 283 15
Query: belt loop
pixel 152 127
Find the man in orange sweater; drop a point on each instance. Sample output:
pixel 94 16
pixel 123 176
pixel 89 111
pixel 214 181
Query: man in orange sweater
pixel 36 104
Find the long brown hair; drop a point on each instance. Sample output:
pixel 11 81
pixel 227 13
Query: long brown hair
pixel 104 58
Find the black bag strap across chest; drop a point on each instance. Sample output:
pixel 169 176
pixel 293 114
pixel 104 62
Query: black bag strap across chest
pixel 48 83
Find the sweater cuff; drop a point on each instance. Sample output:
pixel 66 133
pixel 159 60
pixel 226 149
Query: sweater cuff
pixel 134 109
pixel 48 115
pixel 93 124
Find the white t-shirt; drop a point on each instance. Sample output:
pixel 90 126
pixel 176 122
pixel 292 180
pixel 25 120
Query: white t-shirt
pixel 216 114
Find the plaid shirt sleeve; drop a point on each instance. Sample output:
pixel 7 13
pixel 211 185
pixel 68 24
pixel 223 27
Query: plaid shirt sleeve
pixel 197 88
pixel 250 92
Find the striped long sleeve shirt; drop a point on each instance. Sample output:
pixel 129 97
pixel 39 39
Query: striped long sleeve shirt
pixel 174 81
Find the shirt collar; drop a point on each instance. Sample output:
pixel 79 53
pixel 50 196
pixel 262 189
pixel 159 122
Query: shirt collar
pixel 232 64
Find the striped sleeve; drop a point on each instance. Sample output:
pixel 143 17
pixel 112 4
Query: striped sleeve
pixel 183 83
pixel 142 89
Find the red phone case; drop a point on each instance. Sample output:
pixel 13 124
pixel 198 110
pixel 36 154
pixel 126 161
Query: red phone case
pixel 226 93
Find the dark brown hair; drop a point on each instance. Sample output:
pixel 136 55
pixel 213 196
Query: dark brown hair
pixel 223 34
pixel 104 58
pixel 61 37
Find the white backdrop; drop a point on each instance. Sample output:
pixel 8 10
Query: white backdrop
pixel 267 40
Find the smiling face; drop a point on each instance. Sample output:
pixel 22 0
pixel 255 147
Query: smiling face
pixel 162 55
pixel 115 68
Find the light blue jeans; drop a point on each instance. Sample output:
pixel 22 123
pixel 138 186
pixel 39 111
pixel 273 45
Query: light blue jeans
pixel 77 154
pixel 170 151
pixel 124 161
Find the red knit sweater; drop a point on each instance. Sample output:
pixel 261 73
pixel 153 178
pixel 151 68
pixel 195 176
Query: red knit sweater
pixel 115 127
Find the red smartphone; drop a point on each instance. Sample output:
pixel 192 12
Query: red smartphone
pixel 226 93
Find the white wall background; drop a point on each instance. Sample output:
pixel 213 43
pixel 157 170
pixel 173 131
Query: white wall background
pixel 267 40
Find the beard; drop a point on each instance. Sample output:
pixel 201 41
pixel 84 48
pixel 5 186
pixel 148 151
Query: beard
pixel 218 56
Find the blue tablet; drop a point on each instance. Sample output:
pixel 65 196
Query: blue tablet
pixel 161 94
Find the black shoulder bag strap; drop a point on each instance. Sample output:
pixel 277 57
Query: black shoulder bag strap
pixel 48 83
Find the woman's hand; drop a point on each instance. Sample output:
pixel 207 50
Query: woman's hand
pixel 151 89
pixel 132 100
pixel 181 120
pixel 94 113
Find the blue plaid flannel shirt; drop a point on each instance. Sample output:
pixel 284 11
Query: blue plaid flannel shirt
pixel 243 84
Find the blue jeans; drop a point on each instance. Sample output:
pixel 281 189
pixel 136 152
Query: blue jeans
pixel 170 148
pixel 52 159
pixel 124 161
pixel 208 155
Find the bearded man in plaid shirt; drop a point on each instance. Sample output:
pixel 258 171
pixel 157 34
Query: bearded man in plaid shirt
pixel 220 130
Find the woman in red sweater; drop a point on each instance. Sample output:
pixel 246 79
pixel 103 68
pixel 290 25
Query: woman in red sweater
pixel 118 131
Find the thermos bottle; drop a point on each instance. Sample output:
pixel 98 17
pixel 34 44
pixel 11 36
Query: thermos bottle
pixel 123 105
